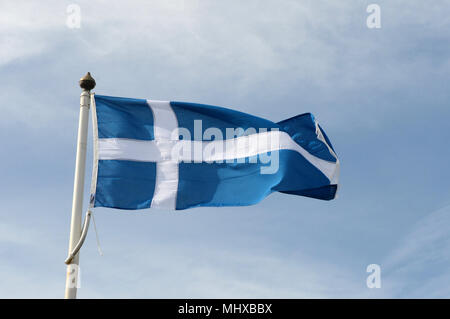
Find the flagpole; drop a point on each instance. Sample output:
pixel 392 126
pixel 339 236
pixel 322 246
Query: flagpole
pixel 87 83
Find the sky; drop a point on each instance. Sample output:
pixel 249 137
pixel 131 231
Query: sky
pixel 381 94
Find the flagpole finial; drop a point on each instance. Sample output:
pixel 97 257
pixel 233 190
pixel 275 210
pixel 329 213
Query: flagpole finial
pixel 87 82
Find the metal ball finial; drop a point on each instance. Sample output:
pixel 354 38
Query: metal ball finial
pixel 87 82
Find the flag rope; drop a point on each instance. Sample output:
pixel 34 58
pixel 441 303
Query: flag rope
pixel 82 238
pixel 99 248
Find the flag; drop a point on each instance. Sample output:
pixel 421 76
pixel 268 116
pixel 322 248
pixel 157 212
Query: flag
pixel 179 155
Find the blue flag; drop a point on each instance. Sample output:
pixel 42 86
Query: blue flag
pixel 178 155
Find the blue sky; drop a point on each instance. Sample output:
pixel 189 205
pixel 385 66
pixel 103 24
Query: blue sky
pixel 380 94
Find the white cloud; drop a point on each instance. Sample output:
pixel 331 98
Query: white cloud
pixel 419 267
pixel 199 271
pixel 25 27
pixel 230 52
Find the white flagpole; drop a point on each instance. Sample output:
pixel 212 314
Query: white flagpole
pixel 87 83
